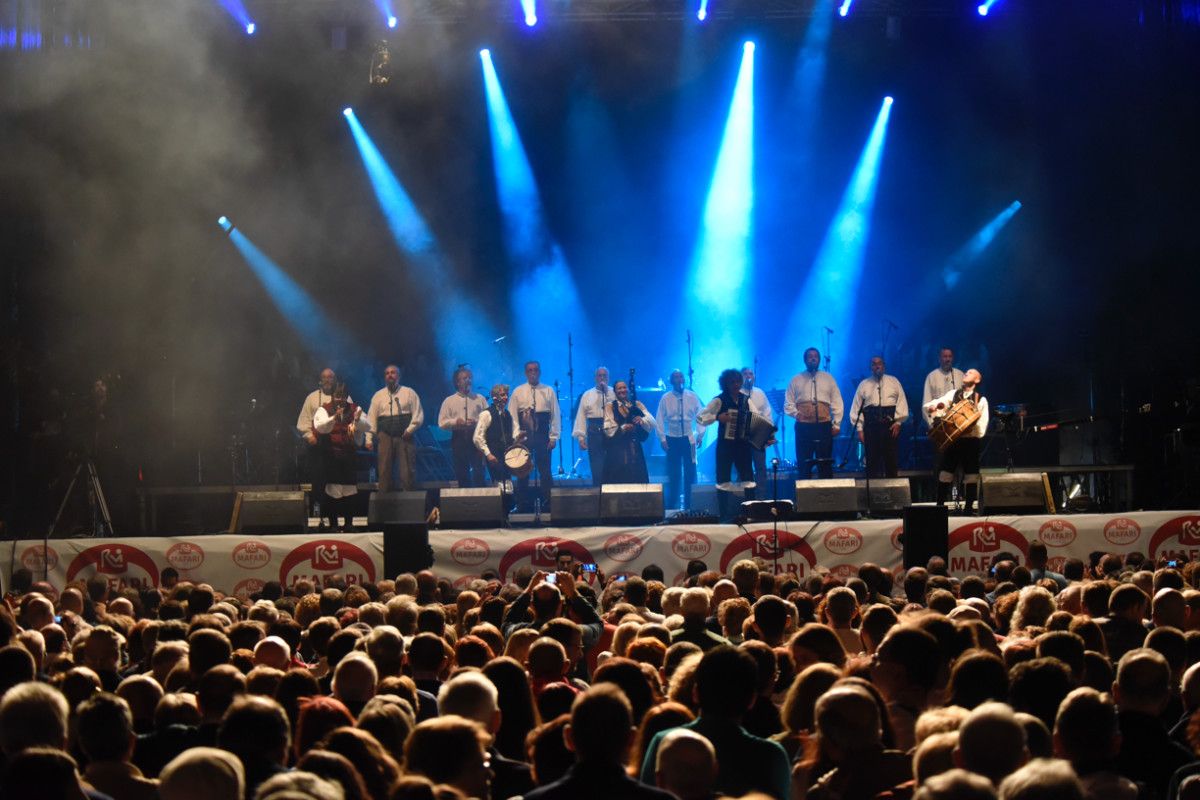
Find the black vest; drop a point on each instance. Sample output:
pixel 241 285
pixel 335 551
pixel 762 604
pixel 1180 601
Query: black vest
pixel 741 405
pixel 499 432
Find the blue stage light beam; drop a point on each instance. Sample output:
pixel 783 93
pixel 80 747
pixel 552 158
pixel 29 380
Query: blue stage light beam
pixel 723 257
pixel 306 317
pixel 844 8
pixel 463 332
pixel 974 247
pixel 985 7
pixel 702 13
pixel 544 298
pixel 831 289
pixel 530 9
pixel 237 10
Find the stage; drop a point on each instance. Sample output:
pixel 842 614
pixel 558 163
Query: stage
pixel 241 564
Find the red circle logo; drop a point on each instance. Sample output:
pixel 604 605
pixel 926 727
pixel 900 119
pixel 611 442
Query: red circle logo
pixel 122 564
pixel 542 553
pixel 770 546
pixel 247 587
pixel 319 559
pixel 185 556
pixel 691 545
pixel 623 547
pixel 470 552
pixel 988 536
pixel 251 555
pixel 843 540
pixel 1057 533
pixel 844 571
pixel 1122 530
pixel 1181 532
pixel 38 559
pixel 897 532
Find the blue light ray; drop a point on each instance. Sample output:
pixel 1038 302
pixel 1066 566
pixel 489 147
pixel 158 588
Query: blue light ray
pixel 530 9
pixel 702 13
pixel 723 258
pixel 237 10
pixel 463 332
pixel 844 8
pixel 974 247
pixel 985 7
pixel 544 298
pixel 305 316
pixel 830 291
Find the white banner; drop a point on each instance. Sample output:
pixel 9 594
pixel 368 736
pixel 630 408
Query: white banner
pixel 799 548
pixel 231 564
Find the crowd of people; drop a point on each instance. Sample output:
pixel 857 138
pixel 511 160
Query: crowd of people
pixel 1022 684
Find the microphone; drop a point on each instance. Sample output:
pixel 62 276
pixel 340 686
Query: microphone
pixel 827 329
pixel 892 325
pixel 498 341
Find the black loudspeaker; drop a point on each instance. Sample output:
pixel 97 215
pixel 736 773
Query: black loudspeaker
pixel 406 549
pixel 575 505
pixel 888 496
pixel 823 499
pixel 269 512
pixel 631 503
pixel 471 508
pixel 396 508
pixel 1017 493
pixel 926 534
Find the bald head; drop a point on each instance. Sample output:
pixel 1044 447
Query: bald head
pixel 991 742
pixel 686 765
pixel 848 722
pixel 272 652
pixel 1169 609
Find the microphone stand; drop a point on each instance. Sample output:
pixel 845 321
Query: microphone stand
pixel 571 407
pixel 774 506
pixel 689 349
pixel 560 472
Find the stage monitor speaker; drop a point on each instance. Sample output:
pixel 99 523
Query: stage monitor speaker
pixel 888 496
pixel 706 500
pixel 631 503
pixel 269 512
pixel 1017 493
pixel 926 534
pixel 471 508
pixel 574 505
pixel 406 548
pixel 831 498
pixel 396 508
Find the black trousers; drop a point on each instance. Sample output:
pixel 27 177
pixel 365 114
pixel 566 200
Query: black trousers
pixel 596 442
pixel 881 450
pixel 964 455
pixel 539 448
pixel 733 454
pixel 814 446
pixel 468 461
pixel 680 466
pixel 758 459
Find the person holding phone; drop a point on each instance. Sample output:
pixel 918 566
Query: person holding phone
pixel 544 600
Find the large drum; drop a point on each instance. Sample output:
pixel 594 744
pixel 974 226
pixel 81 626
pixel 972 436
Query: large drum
pixel 951 426
pixel 518 460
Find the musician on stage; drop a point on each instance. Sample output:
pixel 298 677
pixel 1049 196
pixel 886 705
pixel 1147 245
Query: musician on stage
pixel 760 405
pixel 946 378
pixel 335 426
pixel 679 433
pixel 627 424
pixel 589 423
pixel 815 402
pixel 495 432
pixel 536 408
pixel 731 411
pixel 314 458
pixel 459 414
pixel 963 452
pixel 394 418
pixel 879 409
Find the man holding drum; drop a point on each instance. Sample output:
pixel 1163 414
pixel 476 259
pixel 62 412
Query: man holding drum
pixel 963 450
pixel 496 432
pixel 815 402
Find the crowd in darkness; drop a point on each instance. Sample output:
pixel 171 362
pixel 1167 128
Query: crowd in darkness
pixel 1021 684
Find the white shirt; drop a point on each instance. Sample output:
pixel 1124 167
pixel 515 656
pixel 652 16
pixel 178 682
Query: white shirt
pixel 610 421
pixel 538 398
pixel 676 416
pixel 315 400
pixel 480 438
pixel 804 386
pixel 937 383
pixel 591 406
pixel 458 407
pixel 759 403
pixel 389 404
pixel 871 391
pixel 980 427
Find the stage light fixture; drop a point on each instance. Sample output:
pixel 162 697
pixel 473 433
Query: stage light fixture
pixel 985 7
pixel 530 9
pixel 844 8
pixel 702 14
pixel 225 224
pixel 392 21
pixel 347 111
pixel 251 28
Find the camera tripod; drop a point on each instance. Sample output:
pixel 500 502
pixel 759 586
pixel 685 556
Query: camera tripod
pixel 101 520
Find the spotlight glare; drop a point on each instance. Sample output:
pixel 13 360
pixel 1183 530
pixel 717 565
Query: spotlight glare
pixel 702 14
pixel 392 22
pixel 347 111
pixel 748 47
pixel 844 8
pixel 251 28
pixel 530 20
pixel 485 54
pixel 982 11
pixel 223 221
pixel 888 100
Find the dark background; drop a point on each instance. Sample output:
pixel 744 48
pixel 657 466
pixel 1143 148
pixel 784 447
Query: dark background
pixel 120 154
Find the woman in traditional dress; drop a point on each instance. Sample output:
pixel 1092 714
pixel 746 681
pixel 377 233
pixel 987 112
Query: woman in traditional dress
pixel 627 424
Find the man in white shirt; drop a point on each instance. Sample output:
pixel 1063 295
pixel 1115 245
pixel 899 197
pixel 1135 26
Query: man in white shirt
pixel 459 414
pixel 393 419
pixel 759 404
pixel 536 408
pixel 679 433
pixel 314 458
pixel 589 423
pixel 879 410
pixel 495 432
pixel 946 378
pixel 963 452
pixel 815 402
